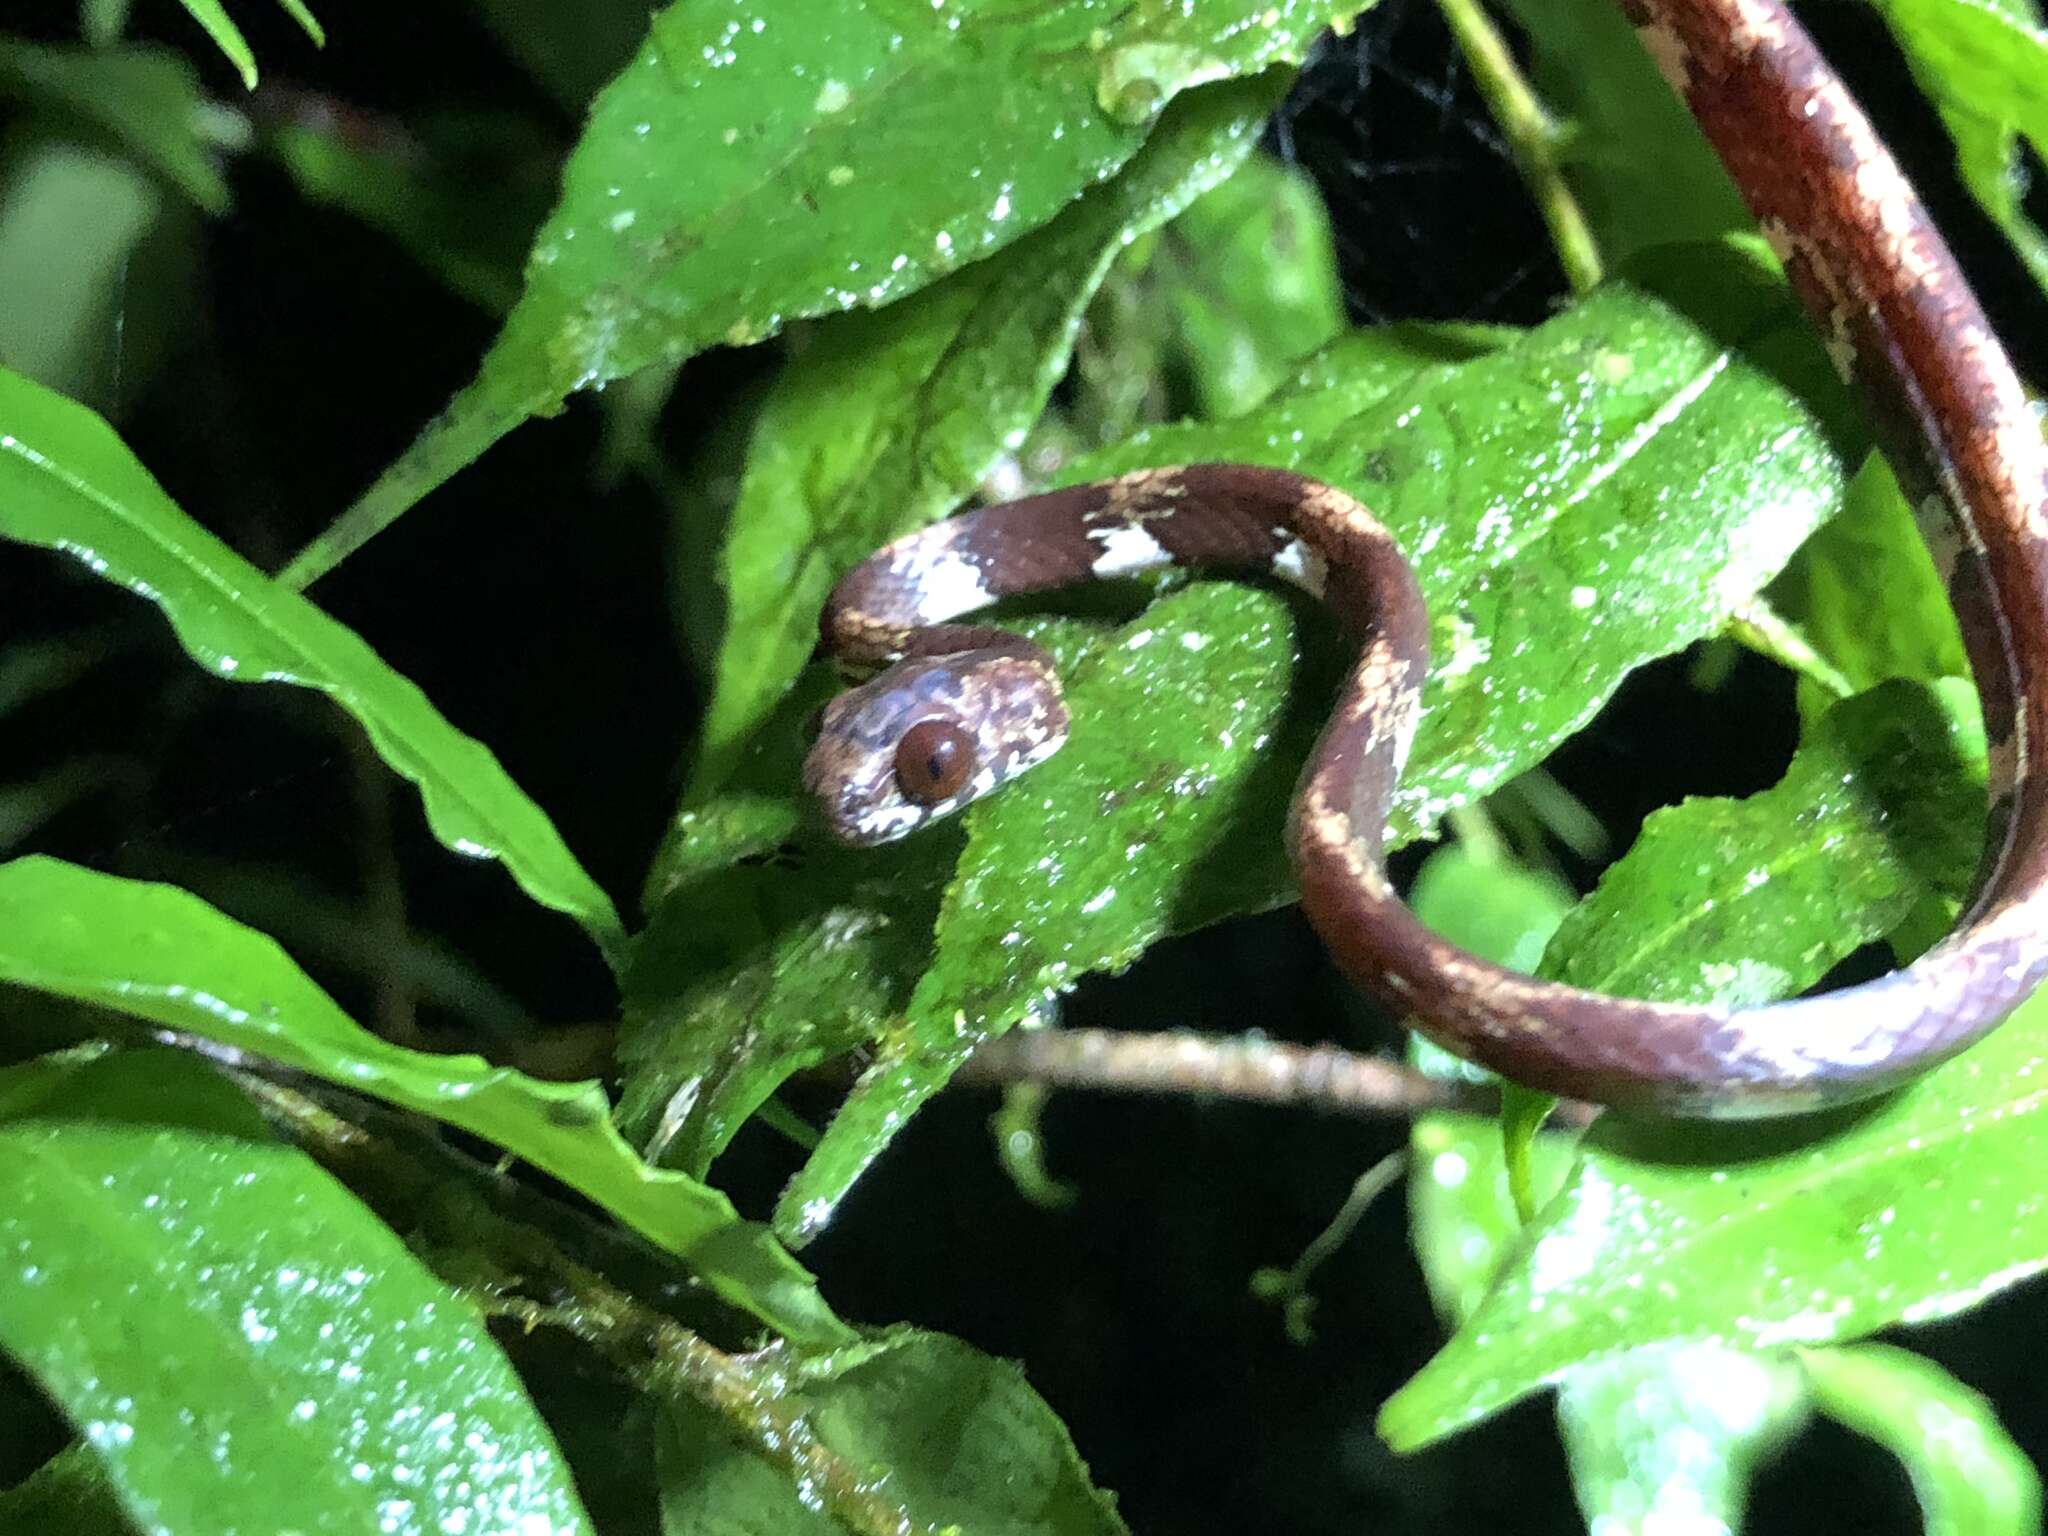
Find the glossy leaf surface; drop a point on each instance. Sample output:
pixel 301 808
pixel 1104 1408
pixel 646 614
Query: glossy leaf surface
pixel 1747 901
pixel 239 1341
pixel 1593 495
pixel 160 953
pixel 1672 1232
pixel 68 483
pixel 796 124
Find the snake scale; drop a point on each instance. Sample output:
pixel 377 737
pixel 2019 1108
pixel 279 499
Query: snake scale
pixel 964 707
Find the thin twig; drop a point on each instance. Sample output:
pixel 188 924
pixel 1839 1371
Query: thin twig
pixel 1289 1286
pixel 1259 1071
pixel 1533 135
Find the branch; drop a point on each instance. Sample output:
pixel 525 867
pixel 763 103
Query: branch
pixel 1257 1071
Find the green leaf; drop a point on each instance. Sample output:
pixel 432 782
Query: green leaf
pixel 1668 1428
pixel 1248 276
pixel 965 1443
pixel 227 37
pixel 67 482
pixel 1971 1478
pixel 1757 1236
pixel 68 1495
pixel 1635 158
pixel 889 418
pixel 159 953
pixel 461 195
pixel 1866 595
pixel 1594 495
pixel 241 1343
pixel 1672 1435
pixel 101 22
pixel 1741 902
pixel 1489 905
pixel 1984 65
pixel 797 126
pixel 146 100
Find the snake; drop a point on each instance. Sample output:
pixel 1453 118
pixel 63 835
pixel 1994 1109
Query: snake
pixel 961 708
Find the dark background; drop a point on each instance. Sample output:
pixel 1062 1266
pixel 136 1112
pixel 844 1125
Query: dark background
pixel 532 606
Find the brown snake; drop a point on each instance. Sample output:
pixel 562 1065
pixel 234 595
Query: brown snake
pixel 965 707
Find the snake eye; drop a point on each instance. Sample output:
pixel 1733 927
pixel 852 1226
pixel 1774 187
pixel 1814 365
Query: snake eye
pixel 933 761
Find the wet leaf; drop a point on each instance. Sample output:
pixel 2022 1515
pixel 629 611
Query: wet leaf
pixel 889 419
pixel 239 1341
pixel 795 125
pixel 1971 1478
pixel 159 953
pixel 68 483
pixel 967 1444
pixel 1635 159
pixel 146 100
pixel 1982 64
pixel 1665 1433
pixel 1758 1236
pixel 1595 494
pixel 1746 901
pixel 1673 1434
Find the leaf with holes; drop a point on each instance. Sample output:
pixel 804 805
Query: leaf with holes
pixel 795 125
pixel 1597 493
pixel 68 483
pixel 159 953
pixel 242 1345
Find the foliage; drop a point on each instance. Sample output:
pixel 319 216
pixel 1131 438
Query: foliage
pixel 254 1258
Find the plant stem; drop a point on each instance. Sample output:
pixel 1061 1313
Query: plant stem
pixel 1289 1287
pixel 1259 1071
pixel 1533 138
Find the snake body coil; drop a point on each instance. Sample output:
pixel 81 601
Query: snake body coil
pixel 965 707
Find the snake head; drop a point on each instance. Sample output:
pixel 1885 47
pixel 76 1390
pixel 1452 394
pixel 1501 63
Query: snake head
pixel 928 736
